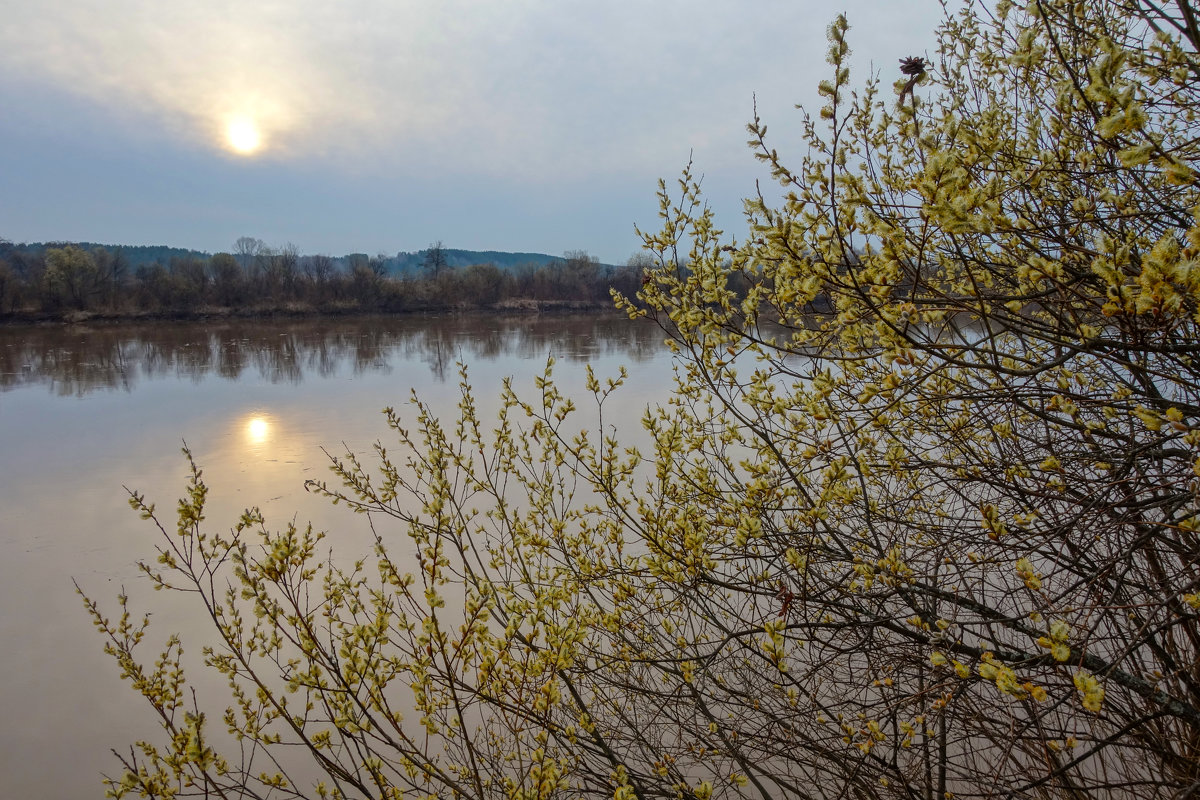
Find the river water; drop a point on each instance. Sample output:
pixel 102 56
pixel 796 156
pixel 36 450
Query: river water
pixel 86 411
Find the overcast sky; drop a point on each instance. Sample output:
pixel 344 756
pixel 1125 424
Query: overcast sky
pixel 385 125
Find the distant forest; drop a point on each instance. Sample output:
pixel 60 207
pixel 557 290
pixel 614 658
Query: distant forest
pixel 60 280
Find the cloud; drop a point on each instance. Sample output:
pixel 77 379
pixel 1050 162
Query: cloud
pixel 525 89
pixel 190 66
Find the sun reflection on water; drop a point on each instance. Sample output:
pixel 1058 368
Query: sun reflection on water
pixel 258 429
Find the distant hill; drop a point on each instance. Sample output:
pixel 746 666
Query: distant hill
pixel 404 262
pixel 409 263
pixel 135 255
pixel 401 263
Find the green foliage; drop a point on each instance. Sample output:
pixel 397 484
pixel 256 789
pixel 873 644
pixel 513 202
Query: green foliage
pixel 918 521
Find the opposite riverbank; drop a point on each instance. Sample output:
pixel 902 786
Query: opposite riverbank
pixel 296 310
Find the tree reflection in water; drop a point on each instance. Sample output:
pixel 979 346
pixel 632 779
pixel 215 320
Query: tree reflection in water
pixel 76 360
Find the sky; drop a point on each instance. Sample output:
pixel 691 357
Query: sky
pixel 380 126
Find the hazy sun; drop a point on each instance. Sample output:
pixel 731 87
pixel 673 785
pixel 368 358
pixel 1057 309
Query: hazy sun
pixel 243 136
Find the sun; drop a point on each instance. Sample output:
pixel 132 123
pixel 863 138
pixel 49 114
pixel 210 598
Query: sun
pixel 243 136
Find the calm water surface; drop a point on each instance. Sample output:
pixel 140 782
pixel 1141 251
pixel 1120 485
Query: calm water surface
pixel 87 411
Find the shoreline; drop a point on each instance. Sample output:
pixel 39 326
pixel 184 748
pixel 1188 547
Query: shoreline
pixel 515 307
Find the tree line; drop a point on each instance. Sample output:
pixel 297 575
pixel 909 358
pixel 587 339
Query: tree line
pixel 73 279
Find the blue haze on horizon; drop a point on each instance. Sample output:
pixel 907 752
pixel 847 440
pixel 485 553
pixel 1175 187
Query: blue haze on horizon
pixel 524 125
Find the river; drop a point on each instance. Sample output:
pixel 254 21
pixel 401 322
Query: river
pixel 87 411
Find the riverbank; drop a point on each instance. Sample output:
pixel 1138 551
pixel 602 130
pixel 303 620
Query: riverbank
pixel 296 310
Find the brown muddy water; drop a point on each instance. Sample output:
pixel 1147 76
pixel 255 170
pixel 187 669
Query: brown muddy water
pixel 86 411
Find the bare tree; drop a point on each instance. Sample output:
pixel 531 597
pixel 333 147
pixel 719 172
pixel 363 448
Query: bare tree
pixel 435 263
pixel 247 249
